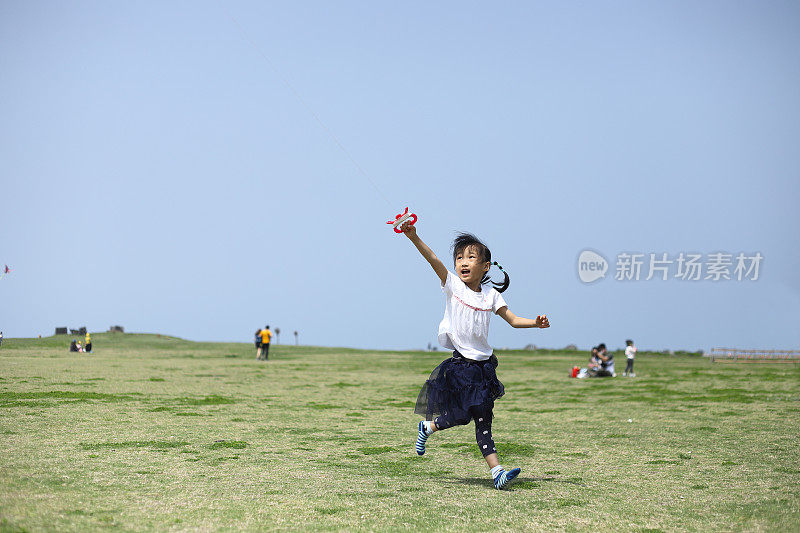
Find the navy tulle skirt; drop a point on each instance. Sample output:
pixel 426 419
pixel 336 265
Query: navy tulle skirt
pixel 458 384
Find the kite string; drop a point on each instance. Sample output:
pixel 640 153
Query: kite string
pixel 308 108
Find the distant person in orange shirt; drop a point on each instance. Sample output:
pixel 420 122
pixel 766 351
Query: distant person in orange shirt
pixel 266 335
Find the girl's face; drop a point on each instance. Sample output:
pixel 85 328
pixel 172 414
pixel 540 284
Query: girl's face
pixel 470 266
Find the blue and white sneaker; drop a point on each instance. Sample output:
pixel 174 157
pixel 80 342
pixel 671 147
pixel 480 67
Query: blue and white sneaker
pixel 502 479
pixel 422 437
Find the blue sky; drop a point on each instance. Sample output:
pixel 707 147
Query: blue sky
pixel 157 172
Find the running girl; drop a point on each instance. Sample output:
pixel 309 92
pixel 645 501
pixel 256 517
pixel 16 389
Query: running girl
pixel 465 386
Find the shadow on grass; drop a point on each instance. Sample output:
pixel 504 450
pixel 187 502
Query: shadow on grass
pixel 149 444
pixel 52 398
pixel 521 483
pixel 236 444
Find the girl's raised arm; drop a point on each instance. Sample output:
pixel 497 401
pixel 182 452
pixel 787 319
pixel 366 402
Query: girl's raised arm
pixel 438 267
pixel 519 322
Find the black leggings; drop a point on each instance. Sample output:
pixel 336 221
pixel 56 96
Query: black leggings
pixel 482 414
pixel 629 366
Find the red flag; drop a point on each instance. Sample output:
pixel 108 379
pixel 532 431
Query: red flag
pixel 7 270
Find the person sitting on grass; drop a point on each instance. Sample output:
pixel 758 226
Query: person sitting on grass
pixel 594 358
pixel 607 365
pixel 464 387
pixel 603 362
pixel 73 347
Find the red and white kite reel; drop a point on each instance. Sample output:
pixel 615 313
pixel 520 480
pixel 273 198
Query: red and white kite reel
pixel 402 217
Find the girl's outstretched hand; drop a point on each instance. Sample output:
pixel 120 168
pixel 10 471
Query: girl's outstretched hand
pixel 408 229
pixel 542 322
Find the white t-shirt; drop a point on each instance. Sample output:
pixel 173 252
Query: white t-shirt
pixel 465 326
pixel 630 351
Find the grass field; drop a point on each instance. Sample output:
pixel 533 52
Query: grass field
pixel 157 433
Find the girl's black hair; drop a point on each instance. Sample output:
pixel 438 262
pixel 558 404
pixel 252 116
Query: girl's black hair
pixel 464 241
pixel 629 342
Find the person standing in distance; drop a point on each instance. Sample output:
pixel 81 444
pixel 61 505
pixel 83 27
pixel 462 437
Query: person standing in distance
pixel 258 344
pixel 630 353
pixel 266 335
